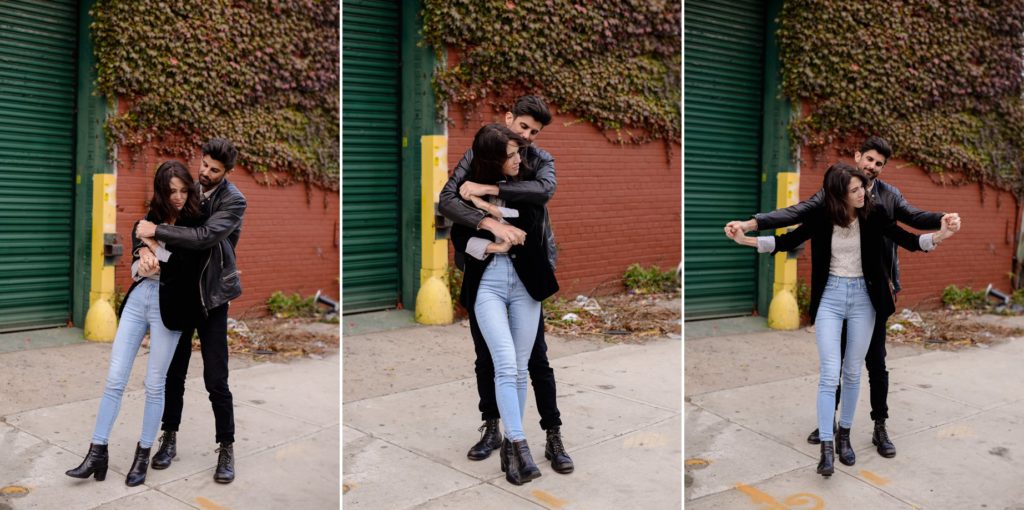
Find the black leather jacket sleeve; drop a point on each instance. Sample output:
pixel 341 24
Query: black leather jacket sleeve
pixel 901 237
pixel 449 202
pixel 791 215
pixel 791 240
pixel 910 215
pixel 224 221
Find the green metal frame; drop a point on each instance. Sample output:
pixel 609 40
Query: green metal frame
pixel 419 118
pixel 91 157
pixel 776 155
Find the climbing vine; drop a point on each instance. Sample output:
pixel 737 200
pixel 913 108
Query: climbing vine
pixel 615 64
pixel 263 74
pixel 942 81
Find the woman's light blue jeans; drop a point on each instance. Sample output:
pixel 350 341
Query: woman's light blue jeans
pixel 141 313
pixel 844 299
pixel 508 318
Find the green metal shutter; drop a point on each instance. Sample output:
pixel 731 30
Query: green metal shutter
pixel 37 132
pixel 371 154
pixel 723 55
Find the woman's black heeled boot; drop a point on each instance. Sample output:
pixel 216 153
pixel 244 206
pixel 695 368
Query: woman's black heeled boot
pixel 137 474
pixel 843 448
pixel 505 450
pixel 826 466
pixel 95 464
pixel 520 467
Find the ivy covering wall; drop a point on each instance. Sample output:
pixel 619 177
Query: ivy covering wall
pixel 263 74
pixel 940 80
pixel 613 63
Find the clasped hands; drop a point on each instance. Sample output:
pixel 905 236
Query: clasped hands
pixel 505 235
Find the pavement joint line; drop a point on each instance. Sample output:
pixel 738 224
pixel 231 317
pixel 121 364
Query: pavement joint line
pixel 623 397
pixel 278 413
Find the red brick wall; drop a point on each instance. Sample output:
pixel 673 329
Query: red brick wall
pixel 615 204
pixel 288 244
pixel 981 253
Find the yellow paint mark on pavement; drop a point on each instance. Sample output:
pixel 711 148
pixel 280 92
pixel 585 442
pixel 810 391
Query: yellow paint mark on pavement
pixel 800 500
pixel 206 504
pixel 873 478
pixel 14 490
pixel 698 462
pixel 549 499
pixel 345 487
pixel 645 440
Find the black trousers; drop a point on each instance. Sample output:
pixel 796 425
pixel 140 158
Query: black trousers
pixel 541 374
pixel 213 341
pixel 878 376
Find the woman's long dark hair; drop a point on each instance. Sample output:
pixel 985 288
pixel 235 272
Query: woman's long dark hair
pixel 160 208
pixel 837 188
pixel 489 146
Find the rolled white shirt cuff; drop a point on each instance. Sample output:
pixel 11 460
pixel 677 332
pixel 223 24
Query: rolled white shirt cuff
pixel 927 242
pixel 476 247
pixel 765 244
pixel 508 213
pixel 162 254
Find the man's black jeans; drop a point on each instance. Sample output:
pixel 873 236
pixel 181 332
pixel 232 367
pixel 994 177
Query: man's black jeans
pixel 541 374
pixel 213 341
pixel 878 376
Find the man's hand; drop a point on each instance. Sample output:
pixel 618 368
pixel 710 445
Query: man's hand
pixel 145 229
pixel 951 222
pixel 504 232
pixel 499 247
pixel 743 226
pixel 471 189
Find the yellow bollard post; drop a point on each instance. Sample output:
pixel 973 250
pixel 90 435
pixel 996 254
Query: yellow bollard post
pixel 783 312
pixel 101 319
pixel 433 301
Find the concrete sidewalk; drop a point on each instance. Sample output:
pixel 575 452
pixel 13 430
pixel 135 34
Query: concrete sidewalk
pixel 410 415
pixel 956 418
pixel 286 445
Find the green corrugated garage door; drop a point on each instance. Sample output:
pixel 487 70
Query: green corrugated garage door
pixel 371 154
pixel 723 52
pixel 37 99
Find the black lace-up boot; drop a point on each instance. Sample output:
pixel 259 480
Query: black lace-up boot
pixel 490 440
pixel 554 451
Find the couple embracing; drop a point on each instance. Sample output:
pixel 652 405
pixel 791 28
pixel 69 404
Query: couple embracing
pixel 184 274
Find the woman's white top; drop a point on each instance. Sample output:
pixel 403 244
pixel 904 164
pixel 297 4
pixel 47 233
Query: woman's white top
pixel 846 251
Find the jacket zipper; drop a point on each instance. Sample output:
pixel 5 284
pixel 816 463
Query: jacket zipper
pixel 201 274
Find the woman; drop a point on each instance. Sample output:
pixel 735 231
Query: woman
pixel 504 286
pixel 164 300
pixel 848 282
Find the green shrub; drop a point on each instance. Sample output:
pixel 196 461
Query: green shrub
pixel 454 283
pixel 964 298
pixel 649 280
pixel 283 306
pixel 803 297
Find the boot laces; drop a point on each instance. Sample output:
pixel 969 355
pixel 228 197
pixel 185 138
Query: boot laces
pixel 555 442
pixel 224 457
pixel 883 434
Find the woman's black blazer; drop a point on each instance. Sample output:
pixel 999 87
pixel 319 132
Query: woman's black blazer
pixel 180 306
pixel 530 259
pixel 872 231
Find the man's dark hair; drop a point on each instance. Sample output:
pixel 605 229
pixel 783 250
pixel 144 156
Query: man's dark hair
pixel 534 107
pixel 837 189
pixel 160 208
pixel 877 144
pixel 222 150
pixel 489 154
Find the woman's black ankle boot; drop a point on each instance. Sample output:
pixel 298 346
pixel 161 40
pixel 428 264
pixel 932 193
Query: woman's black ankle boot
pixel 137 474
pixel 95 464
pixel 522 459
pixel 843 448
pixel 826 466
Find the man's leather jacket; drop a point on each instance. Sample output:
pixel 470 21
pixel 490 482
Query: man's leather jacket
pixel 537 186
pixel 884 196
pixel 219 280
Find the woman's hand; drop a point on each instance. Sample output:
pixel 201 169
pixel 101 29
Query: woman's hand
pixel 735 232
pixel 950 226
pixel 499 247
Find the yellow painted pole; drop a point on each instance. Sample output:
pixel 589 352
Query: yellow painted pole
pixel 433 301
pixel 101 319
pixel 783 312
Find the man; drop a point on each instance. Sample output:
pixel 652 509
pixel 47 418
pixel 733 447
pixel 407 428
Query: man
pixel 528 117
pixel 219 283
pixel 871 158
